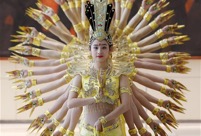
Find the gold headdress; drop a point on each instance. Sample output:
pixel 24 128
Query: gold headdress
pixel 100 15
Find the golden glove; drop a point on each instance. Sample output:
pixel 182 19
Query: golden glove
pixel 170 29
pixel 178 85
pixel 157 128
pixel 25 50
pixel 17 74
pixel 20 60
pixel 26 97
pixel 167 119
pixel 48 131
pixel 180 69
pixel 163 17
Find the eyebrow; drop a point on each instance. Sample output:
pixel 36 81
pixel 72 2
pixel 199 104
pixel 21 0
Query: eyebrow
pixel 100 44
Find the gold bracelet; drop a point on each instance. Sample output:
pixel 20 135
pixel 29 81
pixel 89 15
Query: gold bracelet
pixel 30 73
pixel 103 120
pixel 159 33
pixel 96 99
pixel 55 18
pixel 77 3
pixel 69 133
pixel 65 7
pixel 132 131
pixel 78 27
pixel 153 25
pixel 47 24
pixel 62 130
pixel 128 5
pixel 128 30
pixel 67 78
pixel 35 52
pixel 149 120
pixel 41 36
pixel 31 63
pixel 40 101
pixel 36 41
pixel 55 122
pixel 168 68
pixel 48 114
pixel 164 43
pixel 142 131
pixel 147 16
pixel 73 41
pixel 33 82
pixel 38 92
pixel 164 55
pixel 163 89
pixel 71 4
pixel 141 12
pixel 160 102
pixel 155 111
pixel 164 62
pixel 166 81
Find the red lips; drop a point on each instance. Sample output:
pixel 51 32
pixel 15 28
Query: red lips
pixel 99 56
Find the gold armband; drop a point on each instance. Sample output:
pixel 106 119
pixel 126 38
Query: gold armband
pixel 129 39
pixel 55 18
pixel 35 52
pixel 128 5
pixel 30 73
pixel 141 12
pixel 116 22
pixel 133 45
pixel 147 16
pixel 128 30
pixel 168 68
pixel 160 102
pixel 78 27
pixel 86 24
pixel 164 62
pixel 163 55
pixel 103 120
pixel 69 133
pixel 155 111
pixel 67 78
pixel 55 122
pixel 36 41
pixel 48 114
pixel 166 81
pixel 62 130
pixel 65 7
pixel 149 120
pixel 31 63
pixel 136 50
pixel 33 82
pixel 74 89
pixel 132 131
pixel 164 43
pixel 153 25
pixel 125 90
pixel 142 131
pixel 40 101
pixel 117 0
pixel 77 3
pixel 71 4
pixel 159 33
pixel 163 89
pixel 38 92
pixel 119 32
pixel 62 61
pixel 41 36
pixel 47 24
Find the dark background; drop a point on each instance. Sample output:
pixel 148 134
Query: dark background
pixel 187 12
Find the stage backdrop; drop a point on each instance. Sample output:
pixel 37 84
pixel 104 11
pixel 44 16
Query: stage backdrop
pixel 12 15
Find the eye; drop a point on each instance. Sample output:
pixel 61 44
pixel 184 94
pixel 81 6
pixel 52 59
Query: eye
pixel 104 47
pixel 95 48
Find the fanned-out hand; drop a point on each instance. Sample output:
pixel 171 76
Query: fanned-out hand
pixel 17 74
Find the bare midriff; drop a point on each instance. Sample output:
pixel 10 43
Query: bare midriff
pixel 93 112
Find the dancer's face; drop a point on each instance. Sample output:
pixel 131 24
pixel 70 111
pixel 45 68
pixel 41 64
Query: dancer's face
pixel 100 51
